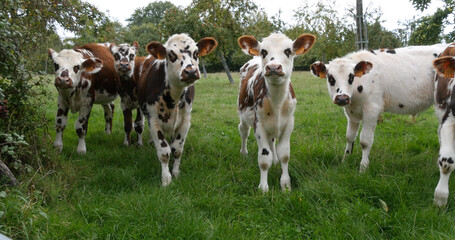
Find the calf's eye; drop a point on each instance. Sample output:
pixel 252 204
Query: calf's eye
pixel 172 56
pixel 264 53
pixel 287 52
pixel 56 66
pixel 76 68
pixel 196 55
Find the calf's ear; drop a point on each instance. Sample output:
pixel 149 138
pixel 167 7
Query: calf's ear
pixel 136 45
pixel 363 67
pixel 249 45
pixel 113 48
pixel 92 65
pixel 303 43
pixel 445 66
pixel 52 53
pixel 319 69
pixel 206 45
pixel 156 49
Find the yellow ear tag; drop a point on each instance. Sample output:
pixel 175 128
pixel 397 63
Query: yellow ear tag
pixel 253 51
pixel 322 75
pixel 449 73
pixel 358 74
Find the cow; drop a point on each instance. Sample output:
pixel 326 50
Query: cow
pixel 166 94
pixel 445 111
pixel 266 99
pixel 129 67
pixel 367 83
pixel 83 76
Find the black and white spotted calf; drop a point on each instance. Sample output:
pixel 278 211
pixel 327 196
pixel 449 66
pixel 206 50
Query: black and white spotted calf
pixel 83 76
pixel 445 110
pixel 267 101
pixel 166 94
pixel 367 83
pixel 129 68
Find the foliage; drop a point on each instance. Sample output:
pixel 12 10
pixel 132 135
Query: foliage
pixel 153 13
pixel 430 29
pixel 381 37
pixel 335 36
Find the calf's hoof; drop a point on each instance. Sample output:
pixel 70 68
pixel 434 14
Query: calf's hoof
pixel 440 198
pixel 166 179
pixel 263 187
pixel 58 147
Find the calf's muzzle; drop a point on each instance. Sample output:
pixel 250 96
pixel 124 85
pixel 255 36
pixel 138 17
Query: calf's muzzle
pixel 274 69
pixel 342 100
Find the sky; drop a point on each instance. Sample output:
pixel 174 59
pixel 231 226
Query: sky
pixel 394 11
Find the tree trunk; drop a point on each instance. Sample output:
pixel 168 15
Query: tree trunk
pixel 203 68
pixel 5 172
pixel 226 68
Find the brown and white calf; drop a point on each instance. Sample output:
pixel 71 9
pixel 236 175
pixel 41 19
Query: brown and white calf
pixel 129 67
pixel 267 101
pixel 367 83
pixel 83 76
pixel 166 94
pixel 445 111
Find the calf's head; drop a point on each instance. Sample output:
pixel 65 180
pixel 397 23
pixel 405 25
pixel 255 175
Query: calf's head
pixel 277 52
pixel 341 75
pixel 69 66
pixel 182 54
pixel 124 55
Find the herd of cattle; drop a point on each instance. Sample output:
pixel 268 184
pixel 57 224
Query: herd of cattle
pixel 160 87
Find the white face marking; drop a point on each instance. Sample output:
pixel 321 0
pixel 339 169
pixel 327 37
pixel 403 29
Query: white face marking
pixel 276 50
pixel 67 64
pixel 182 55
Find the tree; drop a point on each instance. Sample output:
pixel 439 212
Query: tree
pixel 429 29
pixel 152 13
pixel 335 36
pixel 26 30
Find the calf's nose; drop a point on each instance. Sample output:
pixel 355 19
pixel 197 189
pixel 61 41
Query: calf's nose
pixel 342 100
pixel 274 69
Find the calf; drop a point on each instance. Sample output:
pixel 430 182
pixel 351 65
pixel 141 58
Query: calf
pixel 367 83
pixel 267 101
pixel 129 69
pixel 83 76
pixel 166 94
pixel 445 110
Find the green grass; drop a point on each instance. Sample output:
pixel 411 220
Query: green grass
pixel 114 192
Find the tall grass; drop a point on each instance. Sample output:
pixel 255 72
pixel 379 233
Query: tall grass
pixel 114 192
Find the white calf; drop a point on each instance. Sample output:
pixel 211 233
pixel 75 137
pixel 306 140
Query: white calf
pixel 367 83
pixel 267 101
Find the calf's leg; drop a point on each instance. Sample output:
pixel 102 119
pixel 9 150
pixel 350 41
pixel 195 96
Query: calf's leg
pixel 284 153
pixel 265 157
pixel 108 116
pixel 82 126
pixel 244 129
pixel 139 126
pixel 60 124
pixel 445 161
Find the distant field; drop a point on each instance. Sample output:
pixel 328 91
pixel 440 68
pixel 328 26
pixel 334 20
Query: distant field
pixel 114 192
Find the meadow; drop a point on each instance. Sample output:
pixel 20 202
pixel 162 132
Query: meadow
pixel 114 191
